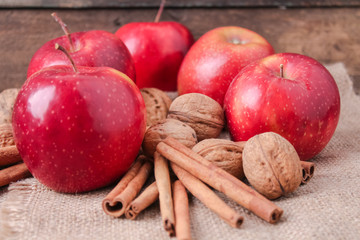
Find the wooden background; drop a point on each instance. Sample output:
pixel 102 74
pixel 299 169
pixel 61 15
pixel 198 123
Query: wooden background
pixel 175 3
pixel 328 31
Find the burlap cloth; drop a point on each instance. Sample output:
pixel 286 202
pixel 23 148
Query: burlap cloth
pixel 326 208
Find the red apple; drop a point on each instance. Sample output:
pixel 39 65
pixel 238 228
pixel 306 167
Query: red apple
pixel 78 131
pixel 95 48
pixel 215 59
pixel 290 94
pixel 158 49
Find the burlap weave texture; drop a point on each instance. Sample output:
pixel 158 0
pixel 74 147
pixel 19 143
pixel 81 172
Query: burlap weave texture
pixel 328 207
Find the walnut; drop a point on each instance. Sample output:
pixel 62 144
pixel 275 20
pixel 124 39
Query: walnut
pixel 7 100
pixel 200 112
pixel 157 105
pixel 6 135
pixel 271 165
pixel 224 153
pixel 168 127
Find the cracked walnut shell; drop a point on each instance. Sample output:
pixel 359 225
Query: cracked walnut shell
pixel 157 104
pixel 271 165
pixel 224 153
pixel 6 135
pixel 168 127
pixel 202 113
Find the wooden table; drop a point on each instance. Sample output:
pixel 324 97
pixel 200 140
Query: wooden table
pixel 325 30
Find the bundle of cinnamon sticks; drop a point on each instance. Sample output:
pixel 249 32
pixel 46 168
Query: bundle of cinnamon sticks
pixel 193 173
pixel 308 169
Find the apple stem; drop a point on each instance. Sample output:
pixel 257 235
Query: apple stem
pixel 65 29
pixel 59 47
pixel 161 8
pixel 281 70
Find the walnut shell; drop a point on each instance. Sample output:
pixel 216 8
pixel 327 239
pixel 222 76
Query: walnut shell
pixel 157 105
pixel 272 165
pixel 168 127
pixel 224 153
pixel 202 113
pixel 6 135
pixel 7 100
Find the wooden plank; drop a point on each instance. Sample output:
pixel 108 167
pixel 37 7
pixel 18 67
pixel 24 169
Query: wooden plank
pixel 173 3
pixel 326 34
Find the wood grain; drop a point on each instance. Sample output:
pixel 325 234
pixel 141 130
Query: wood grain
pixel 326 34
pixel 174 3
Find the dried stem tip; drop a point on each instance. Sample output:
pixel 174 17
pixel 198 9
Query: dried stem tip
pixel 59 47
pixel 65 29
pixel 161 8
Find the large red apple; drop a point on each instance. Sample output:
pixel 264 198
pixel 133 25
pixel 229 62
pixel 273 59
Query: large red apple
pixel 158 48
pixel 78 131
pixel 290 94
pixel 215 59
pixel 94 48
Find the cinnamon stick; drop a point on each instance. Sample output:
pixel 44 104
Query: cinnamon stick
pixel 13 173
pixel 144 200
pixel 9 155
pixel 308 169
pixel 221 172
pixel 163 183
pixel 219 179
pixel 208 197
pixel 119 198
pixel 181 209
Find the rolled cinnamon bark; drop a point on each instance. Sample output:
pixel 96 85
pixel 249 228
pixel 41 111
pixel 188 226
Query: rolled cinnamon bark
pixel 308 169
pixel 221 172
pixel 9 156
pixel 119 198
pixel 207 197
pixel 181 209
pixel 13 173
pixel 219 179
pixel 144 200
pixel 163 183
pixel 108 203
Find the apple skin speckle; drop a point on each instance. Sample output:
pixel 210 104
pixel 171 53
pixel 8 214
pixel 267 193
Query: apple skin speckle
pixel 65 140
pixel 158 49
pixel 94 48
pixel 303 106
pixel 217 57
